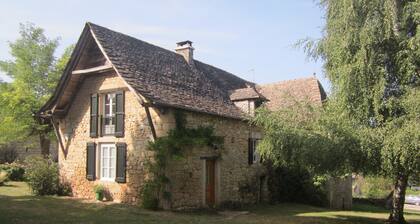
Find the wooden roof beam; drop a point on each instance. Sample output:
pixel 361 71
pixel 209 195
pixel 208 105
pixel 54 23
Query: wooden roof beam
pixel 102 68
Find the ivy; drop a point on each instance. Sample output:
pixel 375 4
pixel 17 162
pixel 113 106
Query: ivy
pixel 170 147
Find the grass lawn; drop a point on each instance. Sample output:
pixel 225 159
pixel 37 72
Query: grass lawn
pixel 17 205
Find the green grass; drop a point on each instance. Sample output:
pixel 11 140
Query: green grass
pixel 17 205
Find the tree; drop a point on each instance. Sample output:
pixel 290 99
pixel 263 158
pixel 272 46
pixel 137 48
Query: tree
pixel 371 50
pixel 35 72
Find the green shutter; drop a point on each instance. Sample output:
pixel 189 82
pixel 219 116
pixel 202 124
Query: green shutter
pixel 119 114
pixel 90 161
pixel 121 163
pixel 94 99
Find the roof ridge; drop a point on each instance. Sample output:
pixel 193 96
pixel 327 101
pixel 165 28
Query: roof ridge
pixel 129 36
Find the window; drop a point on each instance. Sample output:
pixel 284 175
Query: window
pixel 109 114
pixel 107 163
pixel 253 156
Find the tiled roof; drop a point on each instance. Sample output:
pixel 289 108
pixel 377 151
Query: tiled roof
pixel 284 93
pixel 165 78
pixel 244 94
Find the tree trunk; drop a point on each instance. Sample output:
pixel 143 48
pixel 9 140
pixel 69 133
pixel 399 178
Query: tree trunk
pixel 398 199
pixel 45 144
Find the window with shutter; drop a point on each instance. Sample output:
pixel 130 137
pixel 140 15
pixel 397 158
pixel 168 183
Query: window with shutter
pixel 121 162
pixel 94 115
pixel 112 114
pixel 90 161
pixel 107 161
pixel 108 117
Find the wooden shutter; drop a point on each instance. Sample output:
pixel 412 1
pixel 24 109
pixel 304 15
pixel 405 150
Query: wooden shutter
pixel 94 101
pixel 90 160
pixel 121 162
pixel 119 114
pixel 250 152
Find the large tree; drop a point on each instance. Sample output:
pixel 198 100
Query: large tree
pixel 34 71
pixel 371 50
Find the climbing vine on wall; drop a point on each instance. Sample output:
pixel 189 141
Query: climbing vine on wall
pixel 170 147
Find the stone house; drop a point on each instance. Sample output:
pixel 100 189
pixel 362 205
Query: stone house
pixel 118 93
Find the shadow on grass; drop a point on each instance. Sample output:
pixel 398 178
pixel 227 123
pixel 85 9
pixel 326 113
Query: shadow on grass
pixel 50 209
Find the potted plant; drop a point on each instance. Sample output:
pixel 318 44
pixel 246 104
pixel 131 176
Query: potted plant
pixel 99 192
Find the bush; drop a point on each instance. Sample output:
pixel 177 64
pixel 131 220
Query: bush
pixel 64 189
pixel 149 196
pixel 3 178
pixel 15 171
pixel 295 185
pixel 42 175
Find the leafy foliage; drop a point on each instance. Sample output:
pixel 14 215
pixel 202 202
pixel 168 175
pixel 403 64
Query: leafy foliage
pixel 295 184
pixel 15 171
pixel 304 135
pixel 34 71
pixel 42 175
pixel 371 51
pixel 170 147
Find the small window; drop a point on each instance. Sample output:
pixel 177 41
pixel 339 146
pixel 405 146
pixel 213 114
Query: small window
pixel 109 114
pixel 107 163
pixel 253 155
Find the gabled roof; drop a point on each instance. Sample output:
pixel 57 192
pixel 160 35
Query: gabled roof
pixel 284 93
pixel 249 93
pixel 160 76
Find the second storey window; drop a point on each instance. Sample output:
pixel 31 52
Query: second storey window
pixel 109 114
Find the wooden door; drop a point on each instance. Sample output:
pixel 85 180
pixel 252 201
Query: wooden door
pixel 210 183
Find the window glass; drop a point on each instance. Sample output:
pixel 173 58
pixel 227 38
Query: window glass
pixel 109 113
pixel 107 162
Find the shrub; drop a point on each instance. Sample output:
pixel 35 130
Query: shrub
pixel 15 171
pixel 149 195
pixel 3 178
pixel 64 189
pixel 42 175
pixel 99 188
pixel 287 184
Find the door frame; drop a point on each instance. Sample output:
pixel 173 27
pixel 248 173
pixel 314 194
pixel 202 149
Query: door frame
pixel 216 181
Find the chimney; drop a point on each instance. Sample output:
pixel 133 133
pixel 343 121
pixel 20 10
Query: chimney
pixel 185 49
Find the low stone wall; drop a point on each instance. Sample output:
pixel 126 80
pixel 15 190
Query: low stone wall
pixel 339 193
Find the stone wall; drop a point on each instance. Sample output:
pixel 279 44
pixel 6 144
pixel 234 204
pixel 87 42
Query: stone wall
pixel 72 160
pixel 235 180
pixel 339 193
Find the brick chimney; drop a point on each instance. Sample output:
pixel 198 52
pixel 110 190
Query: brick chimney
pixel 185 49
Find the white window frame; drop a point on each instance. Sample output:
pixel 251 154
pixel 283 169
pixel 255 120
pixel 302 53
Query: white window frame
pixel 109 157
pixel 111 113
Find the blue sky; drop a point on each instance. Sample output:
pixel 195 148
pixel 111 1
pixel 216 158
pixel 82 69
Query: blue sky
pixel 252 39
